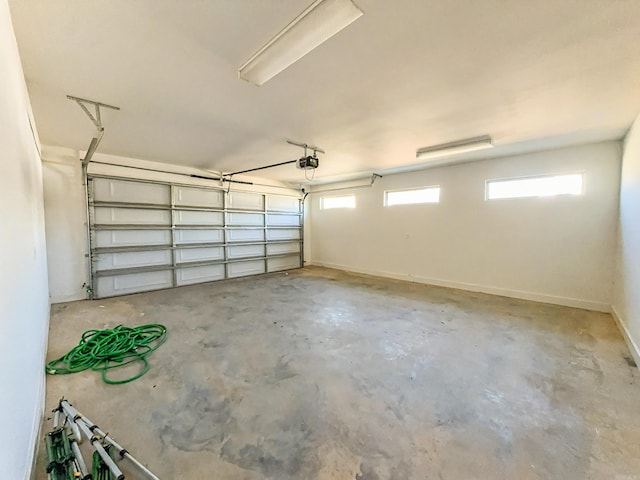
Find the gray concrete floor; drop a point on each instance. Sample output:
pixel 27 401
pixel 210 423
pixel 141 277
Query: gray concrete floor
pixel 320 374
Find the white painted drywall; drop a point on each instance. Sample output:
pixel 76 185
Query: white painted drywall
pixel 66 215
pixel 65 223
pixel 626 292
pixel 24 303
pixel 558 250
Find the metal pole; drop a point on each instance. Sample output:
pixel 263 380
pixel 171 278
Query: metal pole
pixel 92 427
pixel 95 441
pixel 99 104
pixel 82 466
pixel 261 168
pixel 301 210
pixel 172 214
pixel 73 424
pixel 192 175
pixel 370 184
pixel 305 146
pixel 56 419
pixel 73 440
pixel 89 254
pixel 93 146
pixel 124 453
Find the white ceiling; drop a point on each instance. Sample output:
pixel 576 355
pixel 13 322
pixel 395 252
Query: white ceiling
pixel 408 74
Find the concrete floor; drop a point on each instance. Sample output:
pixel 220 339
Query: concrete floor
pixel 320 374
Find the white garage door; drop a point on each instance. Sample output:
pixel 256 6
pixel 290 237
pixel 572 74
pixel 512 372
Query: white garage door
pixel 150 235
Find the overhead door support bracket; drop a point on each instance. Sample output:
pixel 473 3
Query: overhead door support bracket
pixel 96 119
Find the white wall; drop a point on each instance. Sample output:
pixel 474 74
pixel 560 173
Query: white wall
pixel 65 223
pixel 626 293
pixel 558 250
pixel 66 216
pixel 24 304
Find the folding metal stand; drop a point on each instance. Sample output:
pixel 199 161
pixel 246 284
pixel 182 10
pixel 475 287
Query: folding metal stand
pixel 65 459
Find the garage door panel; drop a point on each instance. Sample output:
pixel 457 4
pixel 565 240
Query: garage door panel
pixel 283 263
pixel 240 235
pixel 161 235
pixel 109 261
pixel 283 220
pixel 199 236
pixel 191 217
pixel 132 283
pixel 247 219
pixel 283 234
pixel 244 251
pixel 131 238
pixel 246 201
pixel 131 216
pixel 207 273
pixel 283 203
pixel 241 269
pixel 280 248
pixel 184 255
pixel 198 197
pixel 127 191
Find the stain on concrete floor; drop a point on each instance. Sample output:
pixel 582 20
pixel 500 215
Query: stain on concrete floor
pixel 321 374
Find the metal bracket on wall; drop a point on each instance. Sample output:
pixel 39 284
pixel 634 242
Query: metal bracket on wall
pixel 95 119
pixel 374 176
pixel 306 146
pixel 95 141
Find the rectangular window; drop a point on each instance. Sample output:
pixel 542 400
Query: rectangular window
pixel 542 186
pixel 414 195
pixel 342 201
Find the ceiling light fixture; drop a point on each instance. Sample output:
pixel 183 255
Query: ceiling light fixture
pixel 451 148
pixel 314 26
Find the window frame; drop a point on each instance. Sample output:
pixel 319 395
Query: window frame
pixel 348 195
pixel 581 173
pixel 385 201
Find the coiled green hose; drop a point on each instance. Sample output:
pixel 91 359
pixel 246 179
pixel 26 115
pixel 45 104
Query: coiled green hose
pixel 104 350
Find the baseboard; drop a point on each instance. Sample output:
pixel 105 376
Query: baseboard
pixel 633 346
pixel 503 292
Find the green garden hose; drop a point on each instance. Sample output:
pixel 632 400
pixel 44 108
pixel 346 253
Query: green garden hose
pixel 104 350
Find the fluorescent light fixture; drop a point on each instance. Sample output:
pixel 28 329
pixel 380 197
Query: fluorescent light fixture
pixel 314 26
pixel 451 148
